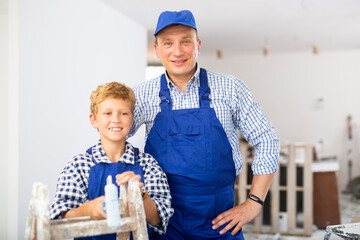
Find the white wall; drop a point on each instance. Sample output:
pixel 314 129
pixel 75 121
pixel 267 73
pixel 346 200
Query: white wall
pixel 10 113
pixel 66 49
pixel 4 111
pixel 288 85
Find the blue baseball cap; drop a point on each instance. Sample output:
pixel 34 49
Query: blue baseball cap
pixel 167 18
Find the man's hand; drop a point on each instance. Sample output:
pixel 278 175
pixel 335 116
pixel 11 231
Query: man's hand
pixel 237 216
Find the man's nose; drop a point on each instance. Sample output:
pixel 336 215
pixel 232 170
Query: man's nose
pixel 178 50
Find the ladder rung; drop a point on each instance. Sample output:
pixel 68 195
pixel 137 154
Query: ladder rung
pixel 88 227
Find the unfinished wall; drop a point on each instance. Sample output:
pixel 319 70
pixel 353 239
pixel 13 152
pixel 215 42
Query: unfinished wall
pixel 288 87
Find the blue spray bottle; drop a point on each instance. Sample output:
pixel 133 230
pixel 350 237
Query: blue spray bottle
pixel 112 203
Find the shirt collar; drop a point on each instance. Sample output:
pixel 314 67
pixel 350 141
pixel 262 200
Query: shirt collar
pixel 194 79
pixel 100 156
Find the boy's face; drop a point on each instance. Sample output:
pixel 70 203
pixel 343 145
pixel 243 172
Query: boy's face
pixel 113 120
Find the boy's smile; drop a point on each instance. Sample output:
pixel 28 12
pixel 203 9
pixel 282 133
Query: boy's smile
pixel 113 120
pixel 115 129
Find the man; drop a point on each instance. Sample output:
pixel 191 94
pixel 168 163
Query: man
pixel 192 117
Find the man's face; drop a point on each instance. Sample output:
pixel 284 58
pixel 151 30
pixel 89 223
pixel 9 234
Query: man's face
pixel 178 49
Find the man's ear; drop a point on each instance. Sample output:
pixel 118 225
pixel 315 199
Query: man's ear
pixel 198 45
pixel 93 121
pixel 156 47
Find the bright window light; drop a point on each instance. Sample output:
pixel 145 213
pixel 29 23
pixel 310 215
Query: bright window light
pixel 153 71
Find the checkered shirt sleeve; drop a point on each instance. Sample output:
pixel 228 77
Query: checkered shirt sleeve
pixel 158 189
pixel 72 185
pixel 253 125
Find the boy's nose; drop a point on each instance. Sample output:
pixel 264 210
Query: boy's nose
pixel 116 119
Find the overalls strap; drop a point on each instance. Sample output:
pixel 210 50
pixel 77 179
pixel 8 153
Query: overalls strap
pixel 89 151
pixel 164 95
pixel 204 90
pixel 136 155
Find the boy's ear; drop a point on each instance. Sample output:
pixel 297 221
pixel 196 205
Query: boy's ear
pixel 93 121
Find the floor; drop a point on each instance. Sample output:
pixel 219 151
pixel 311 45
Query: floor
pixel 348 208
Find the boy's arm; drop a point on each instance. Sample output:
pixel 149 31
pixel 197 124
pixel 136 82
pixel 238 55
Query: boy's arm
pixel 158 191
pixel 151 212
pixel 71 191
pixel 91 208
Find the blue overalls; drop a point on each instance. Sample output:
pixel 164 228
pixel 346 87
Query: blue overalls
pixel 97 181
pixel 192 148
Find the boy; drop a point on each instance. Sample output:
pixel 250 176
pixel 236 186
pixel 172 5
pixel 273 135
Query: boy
pixel 80 188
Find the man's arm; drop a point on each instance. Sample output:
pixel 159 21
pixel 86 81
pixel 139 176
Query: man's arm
pixel 244 213
pixel 257 130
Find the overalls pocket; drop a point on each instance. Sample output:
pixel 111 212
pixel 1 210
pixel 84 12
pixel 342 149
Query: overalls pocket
pixel 198 213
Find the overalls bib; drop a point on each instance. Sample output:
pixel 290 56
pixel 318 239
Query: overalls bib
pixel 97 181
pixel 192 148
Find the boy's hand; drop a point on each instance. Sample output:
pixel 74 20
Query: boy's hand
pixel 128 176
pixel 93 208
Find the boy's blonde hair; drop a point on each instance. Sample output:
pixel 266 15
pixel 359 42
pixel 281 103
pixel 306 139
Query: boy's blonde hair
pixel 111 90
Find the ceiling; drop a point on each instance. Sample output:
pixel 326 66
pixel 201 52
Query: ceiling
pixel 249 26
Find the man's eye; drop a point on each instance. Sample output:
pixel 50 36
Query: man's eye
pixel 167 44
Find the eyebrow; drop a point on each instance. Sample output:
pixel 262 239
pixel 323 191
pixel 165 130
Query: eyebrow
pixel 170 39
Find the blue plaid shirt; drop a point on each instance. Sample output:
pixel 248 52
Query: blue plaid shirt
pixel 234 107
pixel 72 186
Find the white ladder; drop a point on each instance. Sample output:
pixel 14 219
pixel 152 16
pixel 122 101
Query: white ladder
pixel 40 227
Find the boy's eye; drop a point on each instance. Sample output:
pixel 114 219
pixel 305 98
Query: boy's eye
pixel 123 113
pixel 107 113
